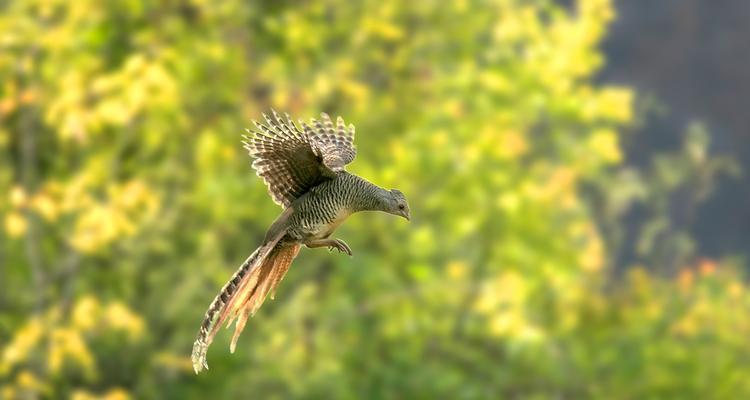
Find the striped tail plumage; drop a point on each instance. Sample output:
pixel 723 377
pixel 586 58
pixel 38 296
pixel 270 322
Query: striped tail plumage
pixel 242 295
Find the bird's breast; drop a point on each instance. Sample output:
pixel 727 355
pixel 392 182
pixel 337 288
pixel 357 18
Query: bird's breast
pixel 327 228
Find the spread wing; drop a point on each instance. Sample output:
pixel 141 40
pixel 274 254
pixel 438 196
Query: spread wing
pixel 291 160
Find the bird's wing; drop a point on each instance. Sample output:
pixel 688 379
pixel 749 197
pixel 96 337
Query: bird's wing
pixel 291 160
pixel 335 145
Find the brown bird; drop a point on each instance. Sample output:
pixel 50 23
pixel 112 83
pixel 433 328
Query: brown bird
pixel 304 172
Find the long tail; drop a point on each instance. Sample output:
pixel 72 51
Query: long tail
pixel 243 295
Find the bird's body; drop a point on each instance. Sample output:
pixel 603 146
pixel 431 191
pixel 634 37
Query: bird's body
pixel 320 211
pixel 304 172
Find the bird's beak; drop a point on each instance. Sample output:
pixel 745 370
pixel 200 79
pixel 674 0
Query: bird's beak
pixel 406 215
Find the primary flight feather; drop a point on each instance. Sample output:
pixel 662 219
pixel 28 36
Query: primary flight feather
pixel 303 169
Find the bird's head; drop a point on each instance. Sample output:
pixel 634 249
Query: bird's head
pixel 397 204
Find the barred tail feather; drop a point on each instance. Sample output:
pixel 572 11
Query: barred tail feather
pixel 285 261
pixel 225 300
pixel 241 297
pixel 270 274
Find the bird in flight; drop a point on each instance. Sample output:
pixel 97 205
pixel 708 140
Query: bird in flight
pixel 304 172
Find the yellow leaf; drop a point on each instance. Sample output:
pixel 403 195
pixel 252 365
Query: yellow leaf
pixel 383 28
pixel 71 343
pixel 603 142
pixel 504 323
pixel 119 316
pixel 27 380
pixel 7 105
pixel 592 257
pixel 81 394
pixel 45 206
pixel 735 290
pixel 8 392
pixel 512 144
pixel 510 202
pixel 456 269
pixel 15 224
pixel 117 394
pixel 356 90
pixel 616 103
pixel 86 313
pixel 28 96
pixel 23 342
pixel 17 196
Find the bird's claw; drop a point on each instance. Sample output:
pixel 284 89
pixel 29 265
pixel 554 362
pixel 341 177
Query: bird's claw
pixel 341 246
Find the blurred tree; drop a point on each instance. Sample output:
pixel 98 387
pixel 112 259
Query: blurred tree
pixel 127 185
pixel 646 216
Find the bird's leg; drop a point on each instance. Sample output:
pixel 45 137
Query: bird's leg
pixel 332 244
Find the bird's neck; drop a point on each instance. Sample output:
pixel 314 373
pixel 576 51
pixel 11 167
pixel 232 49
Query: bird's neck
pixel 370 197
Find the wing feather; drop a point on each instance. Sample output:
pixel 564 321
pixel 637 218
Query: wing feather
pixel 291 160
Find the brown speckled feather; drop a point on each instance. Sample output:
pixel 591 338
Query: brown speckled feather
pixel 292 161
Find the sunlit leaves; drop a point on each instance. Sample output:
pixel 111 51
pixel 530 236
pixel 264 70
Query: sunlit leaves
pixel 485 114
pixel 87 105
pixel 15 224
pixel 64 345
pixel 97 222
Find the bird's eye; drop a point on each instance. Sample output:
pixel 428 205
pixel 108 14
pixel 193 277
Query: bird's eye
pixel 400 206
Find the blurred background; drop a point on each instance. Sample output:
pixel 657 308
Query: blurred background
pixel 579 226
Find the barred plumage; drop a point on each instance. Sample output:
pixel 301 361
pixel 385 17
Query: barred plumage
pixel 216 313
pixel 304 172
pixel 292 161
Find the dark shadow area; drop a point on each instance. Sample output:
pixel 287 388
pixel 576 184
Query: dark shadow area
pixel 693 57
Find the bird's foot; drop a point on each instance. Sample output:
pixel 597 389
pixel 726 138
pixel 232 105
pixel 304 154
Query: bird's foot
pixel 332 244
pixel 340 245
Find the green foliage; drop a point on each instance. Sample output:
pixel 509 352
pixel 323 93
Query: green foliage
pixel 126 184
